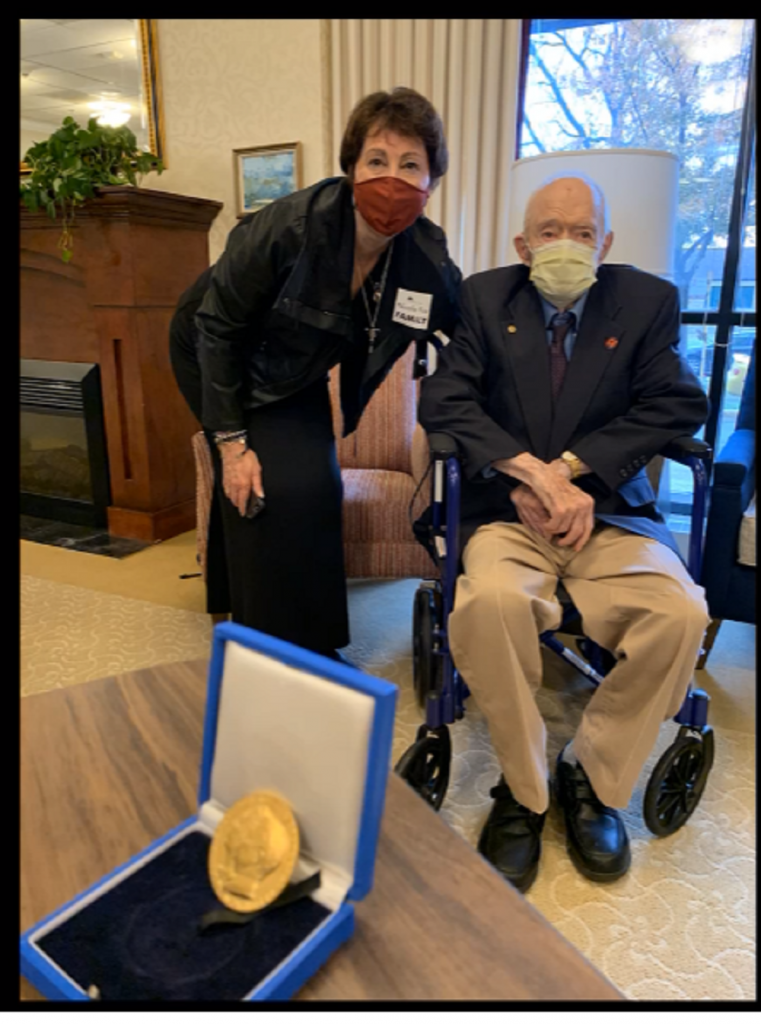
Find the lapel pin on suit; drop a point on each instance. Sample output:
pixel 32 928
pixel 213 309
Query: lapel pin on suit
pixel 511 328
pixel 611 342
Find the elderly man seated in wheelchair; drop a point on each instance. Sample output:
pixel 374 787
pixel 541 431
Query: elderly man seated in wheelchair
pixel 561 381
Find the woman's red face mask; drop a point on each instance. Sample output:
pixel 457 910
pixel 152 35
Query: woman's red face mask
pixel 389 204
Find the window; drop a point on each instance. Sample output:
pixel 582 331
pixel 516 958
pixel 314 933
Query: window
pixel 683 85
pixel 745 295
pixel 742 338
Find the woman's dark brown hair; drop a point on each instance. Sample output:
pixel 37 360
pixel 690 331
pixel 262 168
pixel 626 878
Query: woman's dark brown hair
pixel 403 111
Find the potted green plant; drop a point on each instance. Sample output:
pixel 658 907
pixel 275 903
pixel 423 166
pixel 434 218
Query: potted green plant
pixel 68 167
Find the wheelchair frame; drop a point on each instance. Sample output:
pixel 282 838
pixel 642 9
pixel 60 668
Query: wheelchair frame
pixel 678 779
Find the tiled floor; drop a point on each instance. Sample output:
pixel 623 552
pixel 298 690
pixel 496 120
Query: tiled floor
pixel 91 539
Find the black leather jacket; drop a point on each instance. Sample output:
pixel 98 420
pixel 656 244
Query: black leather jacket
pixel 277 312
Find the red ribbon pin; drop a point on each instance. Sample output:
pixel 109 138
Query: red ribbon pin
pixel 611 342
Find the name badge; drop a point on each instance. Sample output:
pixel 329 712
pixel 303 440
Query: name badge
pixel 413 309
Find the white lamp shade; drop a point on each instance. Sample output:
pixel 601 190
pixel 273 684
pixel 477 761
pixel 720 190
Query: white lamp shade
pixel 641 189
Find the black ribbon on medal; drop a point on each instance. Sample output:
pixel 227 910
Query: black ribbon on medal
pixel 224 916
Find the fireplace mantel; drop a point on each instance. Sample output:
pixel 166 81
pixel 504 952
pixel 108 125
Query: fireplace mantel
pixel 135 252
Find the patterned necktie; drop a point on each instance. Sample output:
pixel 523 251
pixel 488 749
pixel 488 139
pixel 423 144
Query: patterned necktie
pixel 560 324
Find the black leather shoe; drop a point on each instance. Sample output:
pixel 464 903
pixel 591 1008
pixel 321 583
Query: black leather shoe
pixel 511 838
pixel 595 835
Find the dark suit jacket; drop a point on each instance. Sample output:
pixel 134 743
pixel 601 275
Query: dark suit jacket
pixel 620 403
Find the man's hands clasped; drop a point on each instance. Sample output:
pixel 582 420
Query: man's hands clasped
pixel 548 503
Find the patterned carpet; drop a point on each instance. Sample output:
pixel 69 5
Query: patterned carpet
pixel 71 634
pixel 680 925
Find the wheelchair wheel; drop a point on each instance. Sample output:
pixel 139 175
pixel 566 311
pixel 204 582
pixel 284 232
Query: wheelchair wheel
pixel 425 765
pixel 678 781
pixel 426 665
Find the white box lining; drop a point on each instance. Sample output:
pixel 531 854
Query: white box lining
pixel 300 735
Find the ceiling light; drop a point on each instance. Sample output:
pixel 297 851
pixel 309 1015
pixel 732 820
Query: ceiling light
pixel 112 115
pixel 114 118
pixel 107 105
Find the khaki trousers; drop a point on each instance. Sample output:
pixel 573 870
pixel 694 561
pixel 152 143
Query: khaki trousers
pixel 636 599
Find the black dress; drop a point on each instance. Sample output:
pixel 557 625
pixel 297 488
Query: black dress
pixel 295 583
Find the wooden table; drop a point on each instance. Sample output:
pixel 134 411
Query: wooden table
pixel 109 766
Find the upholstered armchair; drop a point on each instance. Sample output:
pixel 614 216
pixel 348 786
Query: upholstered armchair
pixel 204 488
pixel 380 474
pixel 730 585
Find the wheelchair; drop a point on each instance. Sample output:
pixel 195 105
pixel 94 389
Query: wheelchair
pixel 679 778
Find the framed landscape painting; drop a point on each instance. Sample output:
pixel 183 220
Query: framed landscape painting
pixel 265 173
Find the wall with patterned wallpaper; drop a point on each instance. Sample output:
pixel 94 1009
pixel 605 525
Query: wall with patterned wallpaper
pixel 232 84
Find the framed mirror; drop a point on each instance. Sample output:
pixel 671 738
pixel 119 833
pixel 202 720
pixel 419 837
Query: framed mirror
pixel 85 67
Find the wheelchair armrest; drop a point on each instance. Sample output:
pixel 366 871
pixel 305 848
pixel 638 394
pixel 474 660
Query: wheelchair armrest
pixel 442 446
pixel 420 365
pixel 695 454
pixel 683 448
pixel 736 459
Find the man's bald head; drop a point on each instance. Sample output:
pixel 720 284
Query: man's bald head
pixel 565 206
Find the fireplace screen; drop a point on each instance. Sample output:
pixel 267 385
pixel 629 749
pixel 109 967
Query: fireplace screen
pixel 54 455
pixel 64 473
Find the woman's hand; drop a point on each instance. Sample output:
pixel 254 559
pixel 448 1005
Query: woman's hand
pixel 241 474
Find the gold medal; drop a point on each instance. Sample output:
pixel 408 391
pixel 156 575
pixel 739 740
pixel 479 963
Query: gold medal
pixel 253 852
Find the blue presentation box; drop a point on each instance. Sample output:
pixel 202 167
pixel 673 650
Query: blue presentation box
pixel 281 719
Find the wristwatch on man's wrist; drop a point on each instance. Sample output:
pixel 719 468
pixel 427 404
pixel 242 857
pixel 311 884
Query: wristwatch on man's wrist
pixel 573 462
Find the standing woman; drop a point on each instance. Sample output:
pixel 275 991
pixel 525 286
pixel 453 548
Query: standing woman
pixel 346 271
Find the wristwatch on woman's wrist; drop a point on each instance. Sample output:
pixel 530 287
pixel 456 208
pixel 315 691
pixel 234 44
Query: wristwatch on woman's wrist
pixel 231 440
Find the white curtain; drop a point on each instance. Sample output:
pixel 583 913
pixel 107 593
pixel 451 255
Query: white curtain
pixel 468 69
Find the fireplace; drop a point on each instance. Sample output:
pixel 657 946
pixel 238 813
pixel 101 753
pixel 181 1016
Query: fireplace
pixel 64 466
